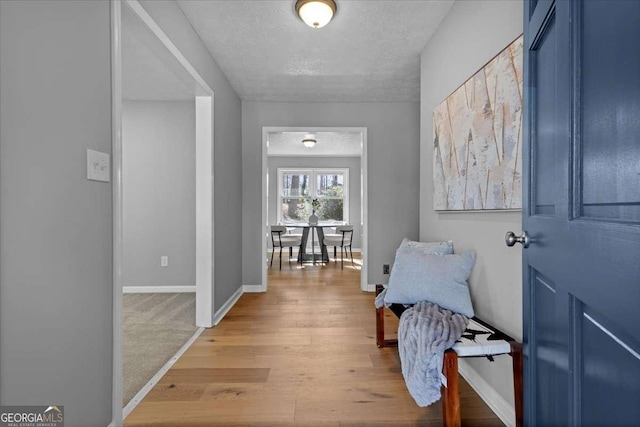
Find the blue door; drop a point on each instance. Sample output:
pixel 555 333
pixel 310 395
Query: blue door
pixel 582 212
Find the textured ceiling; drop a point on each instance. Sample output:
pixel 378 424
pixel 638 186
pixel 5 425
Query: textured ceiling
pixel 370 51
pixel 329 144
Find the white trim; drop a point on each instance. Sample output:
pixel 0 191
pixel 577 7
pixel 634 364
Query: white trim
pixel 157 289
pixel 250 289
pixel 154 380
pixel 204 303
pixel 138 10
pixel 116 189
pixel 363 193
pixel 204 212
pixel 491 397
pixel 205 229
pixel 264 226
pixel 364 208
pixel 370 287
pixel 227 306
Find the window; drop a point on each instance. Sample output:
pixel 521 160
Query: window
pixel 297 188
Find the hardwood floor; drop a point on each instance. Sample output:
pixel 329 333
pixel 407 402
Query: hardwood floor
pixel 302 354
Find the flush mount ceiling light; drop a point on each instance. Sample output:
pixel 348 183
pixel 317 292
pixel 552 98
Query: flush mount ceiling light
pixel 316 13
pixel 309 141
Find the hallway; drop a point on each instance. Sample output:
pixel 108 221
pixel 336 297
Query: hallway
pixel 302 354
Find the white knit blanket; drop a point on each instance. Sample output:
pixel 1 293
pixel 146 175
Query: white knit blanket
pixel 425 332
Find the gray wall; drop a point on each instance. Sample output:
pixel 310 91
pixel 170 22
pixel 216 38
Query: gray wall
pixel 56 286
pixel 351 163
pixel 393 167
pixel 470 35
pixel 227 150
pixel 158 146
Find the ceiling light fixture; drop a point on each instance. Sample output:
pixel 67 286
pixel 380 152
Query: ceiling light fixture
pixel 309 141
pixel 316 13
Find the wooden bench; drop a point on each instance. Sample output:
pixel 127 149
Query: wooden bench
pixel 479 340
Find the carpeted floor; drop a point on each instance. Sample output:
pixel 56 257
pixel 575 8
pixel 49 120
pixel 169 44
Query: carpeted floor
pixel 155 326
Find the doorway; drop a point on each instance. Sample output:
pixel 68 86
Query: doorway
pixel 283 150
pixel 148 67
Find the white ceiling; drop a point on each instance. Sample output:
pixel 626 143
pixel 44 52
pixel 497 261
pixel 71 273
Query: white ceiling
pixel 369 52
pixel 329 144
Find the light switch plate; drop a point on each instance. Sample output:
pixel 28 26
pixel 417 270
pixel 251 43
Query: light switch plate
pixel 97 166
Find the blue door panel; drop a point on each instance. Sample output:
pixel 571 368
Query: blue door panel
pixel 610 123
pixel 581 209
pixel 545 348
pixel 544 159
pixel 603 382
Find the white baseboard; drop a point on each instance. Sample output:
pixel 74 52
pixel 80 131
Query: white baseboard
pixel 491 397
pixel 157 289
pixel 371 288
pixel 254 288
pixel 217 317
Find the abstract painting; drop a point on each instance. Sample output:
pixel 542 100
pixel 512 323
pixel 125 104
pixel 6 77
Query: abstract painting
pixel 477 139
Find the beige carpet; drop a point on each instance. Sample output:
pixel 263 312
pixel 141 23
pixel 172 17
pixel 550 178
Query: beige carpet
pixel 155 326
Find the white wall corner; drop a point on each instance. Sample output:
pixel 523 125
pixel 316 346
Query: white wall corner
pixel 254 288
pixel 157 289
pixel 217 317
pixel 503 409
pixel 371 287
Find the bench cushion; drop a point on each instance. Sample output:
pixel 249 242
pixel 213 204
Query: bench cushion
pixel 479 340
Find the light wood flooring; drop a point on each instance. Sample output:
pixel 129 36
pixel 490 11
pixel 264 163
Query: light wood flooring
pixel 302 354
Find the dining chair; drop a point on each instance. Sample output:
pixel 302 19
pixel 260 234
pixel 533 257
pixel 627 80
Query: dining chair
pixel 342 238
pixel 280 239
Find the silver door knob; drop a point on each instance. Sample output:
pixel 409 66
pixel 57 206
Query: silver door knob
pixel 511 239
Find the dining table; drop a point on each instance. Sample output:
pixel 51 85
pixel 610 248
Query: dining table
pixel 310 231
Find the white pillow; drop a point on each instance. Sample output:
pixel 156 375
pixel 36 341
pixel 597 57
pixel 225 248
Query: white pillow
pixel 441 279
pixel 433 248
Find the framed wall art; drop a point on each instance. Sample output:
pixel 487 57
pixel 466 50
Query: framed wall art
pixel 477 139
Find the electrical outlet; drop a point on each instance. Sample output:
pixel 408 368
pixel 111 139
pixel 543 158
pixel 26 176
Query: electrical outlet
pixel 164 261
pixel 385 269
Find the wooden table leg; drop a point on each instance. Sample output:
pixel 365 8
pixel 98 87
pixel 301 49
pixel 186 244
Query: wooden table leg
pixel 380 341
pixel 380 327
pixel 516 354
pixel 451 393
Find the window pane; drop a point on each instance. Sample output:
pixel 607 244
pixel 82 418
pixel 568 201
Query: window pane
pixel 295 184
pixel 296 209
pixel 331 210
pixel 330 184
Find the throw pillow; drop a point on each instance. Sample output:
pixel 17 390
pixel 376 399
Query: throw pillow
pixel 434 248
pixel 441 279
